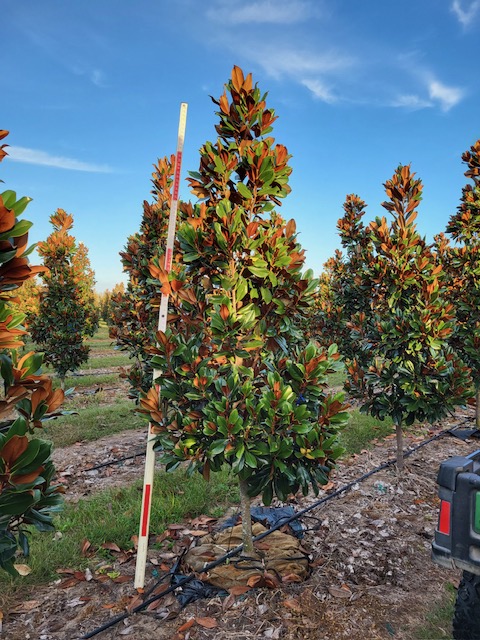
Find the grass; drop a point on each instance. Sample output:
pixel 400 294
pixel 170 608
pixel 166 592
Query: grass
pixel 100 345
pixel 361 430
pixel 92 423
pixel 89 380
pixel 113 516
pixel 438 621
pixel 337 379
pixel 118 359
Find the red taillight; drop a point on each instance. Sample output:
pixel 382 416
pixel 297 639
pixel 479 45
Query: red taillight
pixel 444 519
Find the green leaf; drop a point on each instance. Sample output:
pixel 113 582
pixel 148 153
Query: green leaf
pixel 261 272
pixel 244 191
pixel 18 230
pixel 250 460
pixel 9 197
pixel 218 446
pixel 20 206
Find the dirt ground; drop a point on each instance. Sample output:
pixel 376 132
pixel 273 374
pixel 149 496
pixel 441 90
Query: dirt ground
pixel 371 576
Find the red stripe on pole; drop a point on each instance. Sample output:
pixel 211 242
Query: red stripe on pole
pixel 168 260
pixel 146 509
pixel 176 180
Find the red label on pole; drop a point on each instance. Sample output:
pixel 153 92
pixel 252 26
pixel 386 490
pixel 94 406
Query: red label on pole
pixel 176 180
pixel 168 260
pixel 146 509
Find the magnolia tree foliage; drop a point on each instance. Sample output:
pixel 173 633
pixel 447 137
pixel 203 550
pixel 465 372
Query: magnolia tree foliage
pixel 27 495
pixel 84 278
pixel 236 387
pixel 65 316
pixel 26 299
pixel 103 301
pixel 343 299
pixel 134 312
pixel 462 265
pixel 411 373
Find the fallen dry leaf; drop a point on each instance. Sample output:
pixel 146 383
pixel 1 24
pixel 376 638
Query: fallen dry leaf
pixel 68 582
pixel 127 631
pixel 26 606
pixel 340 592
pixel 291 577
pixel 22 569
pixel 197 533
pixel 255 581
pixel 110 546
pixel 65 571
pixel 134 602
pixel 154 605
pixel 86 544
pixel 203 520
pixel 186 625
pixel 207 623
pixel 293 604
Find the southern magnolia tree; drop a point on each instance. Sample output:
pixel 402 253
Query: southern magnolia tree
pixel 103 301
pixel 236 388
pixel 462 265
pixel 27 495
pixel 411 373
pixel 26 298
pixel 343 299
pixel 63 319
pixel 84 278
pixel 134 312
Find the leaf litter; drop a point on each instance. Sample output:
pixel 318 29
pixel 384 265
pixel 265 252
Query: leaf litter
pixel 370 576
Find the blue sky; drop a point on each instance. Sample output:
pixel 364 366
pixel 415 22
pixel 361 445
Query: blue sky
pixel 91 93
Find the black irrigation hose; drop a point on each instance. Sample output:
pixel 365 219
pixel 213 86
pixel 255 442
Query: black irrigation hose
pixel 261 536
pixel 142 453
pixel 112 462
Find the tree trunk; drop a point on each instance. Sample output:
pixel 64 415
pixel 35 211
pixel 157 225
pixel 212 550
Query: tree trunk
pixel 62 383
pixel 247 535
pixel 477 408
pixel 399 433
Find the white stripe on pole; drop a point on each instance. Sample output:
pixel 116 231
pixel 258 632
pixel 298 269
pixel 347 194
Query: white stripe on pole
pixel 162 325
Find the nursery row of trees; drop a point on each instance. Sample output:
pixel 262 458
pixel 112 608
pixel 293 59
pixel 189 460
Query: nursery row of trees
pixel 240 383
pixel 406 313
pixel 28 495
pixel 55 304
pixel 246 356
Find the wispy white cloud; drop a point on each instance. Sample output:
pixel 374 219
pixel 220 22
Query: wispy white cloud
pixel 299 62
pixel 95 76
pixel 439 95
pixel 411 102
pixel 320 91
pixel 34 156
pixel 98 78
pixel 465 12
pixel 262 11
pixel 446 97
pixel 316 70
pixel 429 90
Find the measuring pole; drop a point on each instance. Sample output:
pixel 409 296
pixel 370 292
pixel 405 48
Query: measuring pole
pixel 162 325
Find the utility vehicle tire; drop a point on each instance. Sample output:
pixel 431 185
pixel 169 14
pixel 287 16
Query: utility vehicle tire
pixel 466 617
